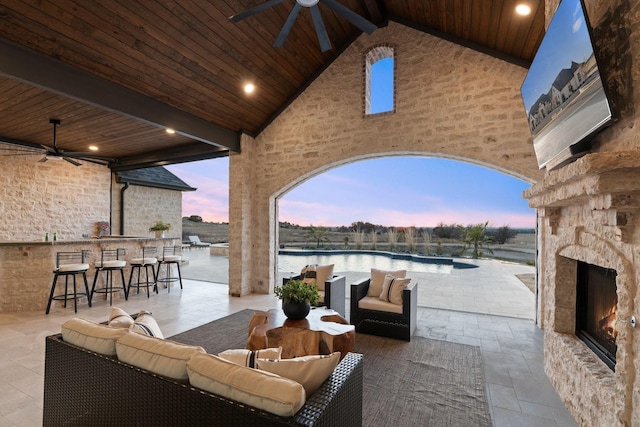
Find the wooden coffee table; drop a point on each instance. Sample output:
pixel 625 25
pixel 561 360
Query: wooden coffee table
pixel 322 332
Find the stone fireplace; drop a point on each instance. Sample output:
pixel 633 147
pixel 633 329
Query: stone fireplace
pixel 587 216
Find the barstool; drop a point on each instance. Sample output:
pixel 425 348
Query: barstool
pixel 70 264
pixel 170 255
pixel 148 261
pixel 110 261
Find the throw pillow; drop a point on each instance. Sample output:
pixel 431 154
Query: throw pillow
pixel 92 336
pixel 145 324
pixel 377 277
pixel 392 288
pixel 260 389
pixel 120 318
pixel 244 357
pixel 323 273
pixel 310 371
pixel 317 274
pixel 160 356
pixel 308 273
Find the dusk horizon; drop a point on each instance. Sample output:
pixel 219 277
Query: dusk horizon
pixel 399 191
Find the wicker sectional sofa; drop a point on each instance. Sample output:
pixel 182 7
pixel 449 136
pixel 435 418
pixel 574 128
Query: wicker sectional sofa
pixel 84 388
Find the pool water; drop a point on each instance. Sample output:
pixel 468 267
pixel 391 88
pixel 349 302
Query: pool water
pixel 288 264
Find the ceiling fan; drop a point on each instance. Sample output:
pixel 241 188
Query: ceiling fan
pixel 22 148
pixel 325 44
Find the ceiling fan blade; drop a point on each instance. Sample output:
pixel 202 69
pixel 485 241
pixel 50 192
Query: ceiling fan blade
pixel 284 32
pixel 73 162
pixel 357 20
pixel 98 161
pixel 321 31
pixel 256 9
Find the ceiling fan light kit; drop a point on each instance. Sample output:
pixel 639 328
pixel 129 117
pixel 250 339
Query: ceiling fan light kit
pixel 323 37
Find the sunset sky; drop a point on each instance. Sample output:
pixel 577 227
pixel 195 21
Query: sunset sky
pixel 391 191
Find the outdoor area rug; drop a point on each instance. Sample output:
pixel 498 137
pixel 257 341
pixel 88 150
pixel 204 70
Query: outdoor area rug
pixel 424 382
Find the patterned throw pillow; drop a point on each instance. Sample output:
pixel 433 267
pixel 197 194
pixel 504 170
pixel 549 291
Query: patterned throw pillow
pixel 377 278
pixel 245 357
pixel 392 288
pixel 145 324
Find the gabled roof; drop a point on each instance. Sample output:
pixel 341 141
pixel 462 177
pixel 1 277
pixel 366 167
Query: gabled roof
pixel 158 177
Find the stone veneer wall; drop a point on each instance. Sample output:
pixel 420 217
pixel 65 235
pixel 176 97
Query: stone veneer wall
pixel 55 196
pixel 451 102
pixel 589 211
pixel 143 206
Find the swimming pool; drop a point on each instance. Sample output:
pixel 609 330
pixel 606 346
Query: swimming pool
pixel 292 261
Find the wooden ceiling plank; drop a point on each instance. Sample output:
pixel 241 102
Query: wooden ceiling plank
pixel 179 75
pixel 25 65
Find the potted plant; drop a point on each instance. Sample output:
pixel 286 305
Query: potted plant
pixel 297 298
pixel 160 227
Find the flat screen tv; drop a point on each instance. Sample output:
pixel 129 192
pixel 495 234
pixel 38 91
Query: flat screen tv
pixel 563 94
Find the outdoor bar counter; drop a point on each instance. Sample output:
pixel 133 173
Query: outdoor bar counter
pixel 26 268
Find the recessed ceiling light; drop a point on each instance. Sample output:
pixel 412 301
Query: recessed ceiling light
pixel 93 148
pixel 170 131
pixel 523 9
pixel 249 88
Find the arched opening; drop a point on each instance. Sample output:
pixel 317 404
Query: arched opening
pixel 410 196
pixel 379 80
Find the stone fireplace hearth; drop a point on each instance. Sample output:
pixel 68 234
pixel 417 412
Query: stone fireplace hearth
pixel 587 213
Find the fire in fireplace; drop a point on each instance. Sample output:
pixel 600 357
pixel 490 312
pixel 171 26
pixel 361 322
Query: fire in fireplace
pixel 596 310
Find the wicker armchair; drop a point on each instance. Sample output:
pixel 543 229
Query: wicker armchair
pixel 334 295
pixel 383 323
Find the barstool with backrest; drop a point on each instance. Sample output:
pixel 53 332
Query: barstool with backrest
pixel 110 260
pixel 171 255
pixel 148 261
pixel 70 264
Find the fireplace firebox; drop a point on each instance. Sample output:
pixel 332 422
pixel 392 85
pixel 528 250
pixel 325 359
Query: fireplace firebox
pixel 596 308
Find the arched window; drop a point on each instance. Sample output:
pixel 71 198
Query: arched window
pixel 379 80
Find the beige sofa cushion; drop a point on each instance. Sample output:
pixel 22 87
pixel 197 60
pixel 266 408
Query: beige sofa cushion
pixel 260 389
pixel 92 336
pixel 163 357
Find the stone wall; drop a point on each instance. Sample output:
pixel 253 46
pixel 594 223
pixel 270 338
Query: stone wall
pixel 58 197
pixel 451 102
pixel 51 197
pixel 143 206
pixel 590 211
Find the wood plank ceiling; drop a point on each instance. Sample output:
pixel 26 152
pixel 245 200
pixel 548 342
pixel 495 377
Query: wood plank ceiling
pixel 186 64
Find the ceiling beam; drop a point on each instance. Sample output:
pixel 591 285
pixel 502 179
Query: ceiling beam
pixel 462 42
pixel 182 154
pixel 375 11
pixel 52 75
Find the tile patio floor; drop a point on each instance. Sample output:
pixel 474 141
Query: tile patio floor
pixel 486 306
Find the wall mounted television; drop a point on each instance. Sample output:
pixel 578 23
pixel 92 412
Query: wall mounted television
pixel 564 98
